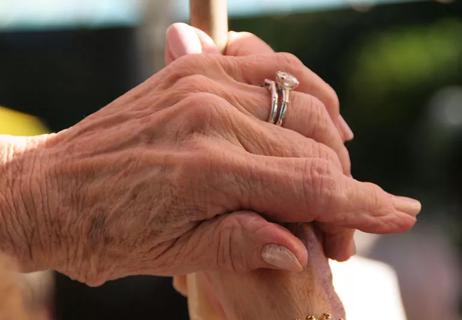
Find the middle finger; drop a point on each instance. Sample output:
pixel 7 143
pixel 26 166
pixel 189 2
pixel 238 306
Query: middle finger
pixel 306 114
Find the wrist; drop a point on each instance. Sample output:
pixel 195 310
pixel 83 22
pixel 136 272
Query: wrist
pixel 42 225
pixel 23 201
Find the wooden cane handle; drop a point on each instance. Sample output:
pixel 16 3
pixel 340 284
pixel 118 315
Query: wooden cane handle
pixel 211 16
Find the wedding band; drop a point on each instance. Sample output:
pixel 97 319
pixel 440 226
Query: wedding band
pixel 271 85
pixel 285 103
pixel 280 93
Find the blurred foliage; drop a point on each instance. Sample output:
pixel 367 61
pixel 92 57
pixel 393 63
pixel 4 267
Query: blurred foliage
pixel 392 65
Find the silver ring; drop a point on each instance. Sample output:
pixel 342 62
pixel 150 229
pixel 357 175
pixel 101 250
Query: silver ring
pixel 285 83
pixel 273 115
pixel 280 93
pixel 285 103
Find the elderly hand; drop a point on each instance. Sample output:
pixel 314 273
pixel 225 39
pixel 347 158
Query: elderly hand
pixel 150 183
pixel 183 39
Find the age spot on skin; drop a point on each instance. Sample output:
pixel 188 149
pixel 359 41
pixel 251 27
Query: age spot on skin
pixel 96 228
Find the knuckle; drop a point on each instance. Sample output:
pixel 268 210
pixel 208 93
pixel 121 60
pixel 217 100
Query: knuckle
pixel 201 107
pixel 323 152
pixel 187 64
pixel 193 64
pixel 181 68
pixel 192 83
pixel 193 114
pixel 321 184
pixel 375 203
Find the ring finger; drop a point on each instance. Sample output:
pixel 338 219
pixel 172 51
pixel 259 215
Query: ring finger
pixel 306 114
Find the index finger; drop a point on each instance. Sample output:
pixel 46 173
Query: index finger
pixel 309 189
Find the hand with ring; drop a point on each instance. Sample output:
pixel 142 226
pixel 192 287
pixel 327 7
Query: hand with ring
pixel 267 294
pixel 315 111
pixel 166 179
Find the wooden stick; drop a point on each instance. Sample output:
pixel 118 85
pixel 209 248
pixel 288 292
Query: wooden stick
pixel 211 16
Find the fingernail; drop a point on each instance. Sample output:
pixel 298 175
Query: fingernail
pixel 281 258
pixel 346 130
pixel 183 40
pixel 408 205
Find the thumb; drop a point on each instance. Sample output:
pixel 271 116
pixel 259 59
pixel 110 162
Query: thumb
pixel 182 39
pixel 244 241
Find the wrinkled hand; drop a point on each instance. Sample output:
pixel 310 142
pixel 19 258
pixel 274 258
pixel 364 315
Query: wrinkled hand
pixel 149 184
pixel 183 39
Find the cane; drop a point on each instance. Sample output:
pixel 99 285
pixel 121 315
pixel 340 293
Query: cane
pixel 211 16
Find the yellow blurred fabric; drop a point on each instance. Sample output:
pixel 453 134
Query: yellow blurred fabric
pixel 20 124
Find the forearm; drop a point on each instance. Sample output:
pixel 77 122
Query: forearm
pixel 21 188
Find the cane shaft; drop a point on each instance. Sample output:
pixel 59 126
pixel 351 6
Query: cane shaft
pixel 211 16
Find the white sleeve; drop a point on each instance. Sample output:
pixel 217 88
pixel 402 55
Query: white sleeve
pixel 368 289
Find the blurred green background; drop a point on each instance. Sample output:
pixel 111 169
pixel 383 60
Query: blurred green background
pixel 398 72
pixel 397 69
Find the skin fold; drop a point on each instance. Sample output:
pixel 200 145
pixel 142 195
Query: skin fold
pixel 265 294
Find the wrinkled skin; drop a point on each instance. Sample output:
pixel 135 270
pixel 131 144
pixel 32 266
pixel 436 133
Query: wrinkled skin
pixel 182 39
pixel 265 294
pixel 153 182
